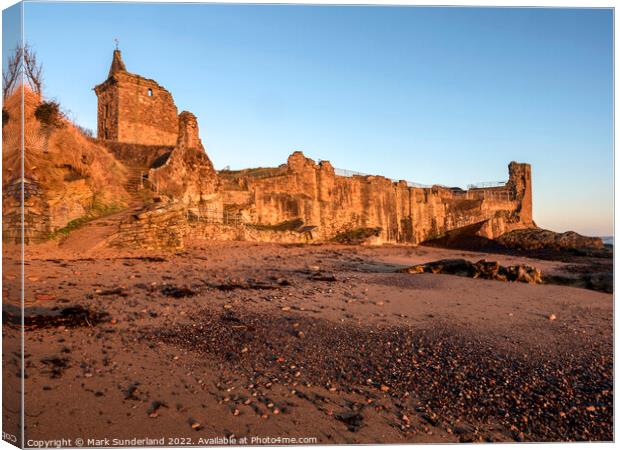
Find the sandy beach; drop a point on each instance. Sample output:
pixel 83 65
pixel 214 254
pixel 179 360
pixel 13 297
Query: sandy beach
pixel 326 342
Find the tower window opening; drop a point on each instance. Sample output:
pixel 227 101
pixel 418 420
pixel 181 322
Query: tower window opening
pixel 150 92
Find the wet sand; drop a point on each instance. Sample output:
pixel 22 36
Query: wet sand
pixel 323 341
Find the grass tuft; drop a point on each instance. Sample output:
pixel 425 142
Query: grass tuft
pixel 356 236
pixel 97 211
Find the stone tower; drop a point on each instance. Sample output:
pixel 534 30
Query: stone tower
pixel 133 109
pixel 520 181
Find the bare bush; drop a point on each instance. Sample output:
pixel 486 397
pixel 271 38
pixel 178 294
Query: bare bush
pixel 12 75
pixel 33 69
pixel 22 66
pixel 86 132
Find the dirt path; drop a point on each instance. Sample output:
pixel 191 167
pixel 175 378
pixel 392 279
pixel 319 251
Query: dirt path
pixel 95 235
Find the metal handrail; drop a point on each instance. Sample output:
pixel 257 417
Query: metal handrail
pixel 214 216
pixel 487 184
pixel 352 173
pixel 482 185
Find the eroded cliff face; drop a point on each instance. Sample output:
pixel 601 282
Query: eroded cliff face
pixel 336 204
pixel 66 176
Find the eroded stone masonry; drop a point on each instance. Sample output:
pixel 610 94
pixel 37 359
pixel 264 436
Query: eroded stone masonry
pixel 166 173
pixel 134 109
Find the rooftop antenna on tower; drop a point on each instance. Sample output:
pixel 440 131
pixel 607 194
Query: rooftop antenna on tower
pixel 116 43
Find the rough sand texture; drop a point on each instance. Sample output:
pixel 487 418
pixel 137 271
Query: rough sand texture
pixel 322 341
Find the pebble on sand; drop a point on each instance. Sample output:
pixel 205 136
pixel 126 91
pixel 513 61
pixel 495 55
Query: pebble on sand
pixel 194 424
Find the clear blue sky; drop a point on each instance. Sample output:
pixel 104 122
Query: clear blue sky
pixel 433 95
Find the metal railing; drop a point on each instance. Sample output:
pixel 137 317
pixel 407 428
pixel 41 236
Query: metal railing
pixel 349 173
pixel 418 185
pixel 482 185
pixel 487 184
pixel 259 173
pixel 352 173
pixel 500 195
pixel 214 216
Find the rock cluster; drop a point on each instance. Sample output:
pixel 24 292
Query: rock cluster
pixel 357 236
pixel 537 238
pixel 488 270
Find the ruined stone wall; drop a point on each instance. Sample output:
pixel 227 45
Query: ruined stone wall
pixel 165 227
pixel 135 110
pixel 336 204
pixel 187 175
pixel 138 155
pixel 160 226
pixel 327 204
pixel 107 111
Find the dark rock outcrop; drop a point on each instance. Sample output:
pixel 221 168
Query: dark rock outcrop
pixel 488 270
pixel 537 238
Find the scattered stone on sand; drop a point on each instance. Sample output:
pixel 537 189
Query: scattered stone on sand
pixel 153 410
pixel 55 365
pixel 177 292
pixel 353 420
pixel 194 424
pixel 130 392
pixel 115 291
pixel 322 276
pixel 250 283
pixel 538 380
pixel 449 369
pixel 147 258
pixel 488 270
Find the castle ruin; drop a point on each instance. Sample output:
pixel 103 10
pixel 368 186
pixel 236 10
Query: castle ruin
pixel 299 200
pixel 134 109
pixel 164 171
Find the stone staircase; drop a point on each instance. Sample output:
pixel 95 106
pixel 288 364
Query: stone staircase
pixel 134 181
